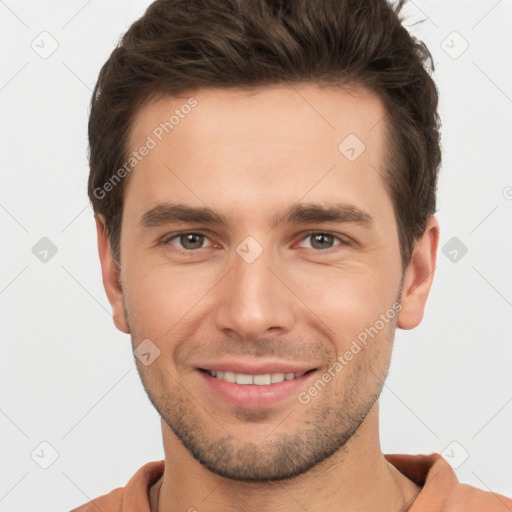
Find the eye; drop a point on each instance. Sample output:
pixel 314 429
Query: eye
pixel 187 241
pixel 192 241
pixel 323 241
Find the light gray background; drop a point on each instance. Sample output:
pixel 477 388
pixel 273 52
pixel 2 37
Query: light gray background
pixel 68 376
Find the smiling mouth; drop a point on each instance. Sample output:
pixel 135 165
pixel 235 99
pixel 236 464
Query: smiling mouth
pixel 264 379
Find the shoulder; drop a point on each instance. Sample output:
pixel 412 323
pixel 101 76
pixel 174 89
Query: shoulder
pixel 462 497
pixel 441 489
pixel 111 502
pixel 466 498
pixel 134 496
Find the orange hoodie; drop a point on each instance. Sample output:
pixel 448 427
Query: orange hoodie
pixel 441 490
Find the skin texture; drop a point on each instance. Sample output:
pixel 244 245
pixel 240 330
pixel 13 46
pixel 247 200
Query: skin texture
pixel 250 156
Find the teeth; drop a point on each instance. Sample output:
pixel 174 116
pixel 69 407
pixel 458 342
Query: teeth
pixel 276 377
pixel 229 376
pixel 258 380
pixel 243 379
pixel 262 380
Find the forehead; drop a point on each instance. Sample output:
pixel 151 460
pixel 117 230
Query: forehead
pixel 286 140
pixel 325 108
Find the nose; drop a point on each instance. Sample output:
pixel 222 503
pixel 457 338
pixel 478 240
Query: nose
pixel 255 299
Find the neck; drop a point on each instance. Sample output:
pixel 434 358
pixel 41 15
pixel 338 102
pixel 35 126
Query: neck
pixel 357 477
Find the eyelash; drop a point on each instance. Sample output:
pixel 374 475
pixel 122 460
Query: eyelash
pixel 343 241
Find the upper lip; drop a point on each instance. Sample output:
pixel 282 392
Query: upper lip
pixel 255 368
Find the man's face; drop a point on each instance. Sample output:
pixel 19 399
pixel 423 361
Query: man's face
pixel 262 294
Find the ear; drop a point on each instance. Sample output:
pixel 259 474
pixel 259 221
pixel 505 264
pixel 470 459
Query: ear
pixel 419 277
pixel 111 275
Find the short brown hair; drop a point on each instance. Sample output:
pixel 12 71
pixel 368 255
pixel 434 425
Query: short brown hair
pixel 183 45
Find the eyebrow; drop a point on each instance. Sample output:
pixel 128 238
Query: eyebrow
pixel 166 213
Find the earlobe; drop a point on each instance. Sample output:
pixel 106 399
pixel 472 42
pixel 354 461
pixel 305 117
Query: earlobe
pixel 419 277
pixel 111 276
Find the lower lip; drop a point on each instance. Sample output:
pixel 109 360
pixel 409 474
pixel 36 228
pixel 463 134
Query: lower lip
pixel 252 396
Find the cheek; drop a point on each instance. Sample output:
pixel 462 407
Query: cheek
pixel 161 296
pixel 346 300
pixel 170 301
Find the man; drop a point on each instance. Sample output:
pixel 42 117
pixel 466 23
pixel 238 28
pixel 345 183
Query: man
pixel 295 146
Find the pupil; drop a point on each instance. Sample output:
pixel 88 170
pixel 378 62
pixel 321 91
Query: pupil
pixel 189 241
pixel 318 239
